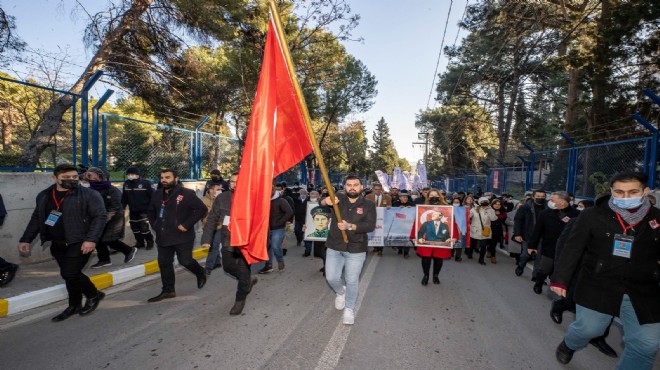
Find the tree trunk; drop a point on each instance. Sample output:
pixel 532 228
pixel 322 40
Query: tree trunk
pixel 601 69
pixel 572 101
pixel 51 120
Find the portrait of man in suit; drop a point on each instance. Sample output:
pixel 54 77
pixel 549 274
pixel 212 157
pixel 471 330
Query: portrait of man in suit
pixel 433 226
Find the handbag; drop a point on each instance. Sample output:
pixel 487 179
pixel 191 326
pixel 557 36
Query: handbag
pixel 485 230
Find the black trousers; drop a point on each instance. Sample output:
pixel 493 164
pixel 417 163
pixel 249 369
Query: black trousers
pixel 484 245
pixel 4 265
pixel 426 265
pixel 166 262
pixel 235 265
pixel 300 235
pixel 103 252
pixel 71 262
pixel 140 227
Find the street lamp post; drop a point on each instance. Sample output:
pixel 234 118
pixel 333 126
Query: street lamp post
pixel 424 136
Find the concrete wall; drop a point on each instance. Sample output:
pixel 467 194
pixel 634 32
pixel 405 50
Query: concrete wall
pixel 19 192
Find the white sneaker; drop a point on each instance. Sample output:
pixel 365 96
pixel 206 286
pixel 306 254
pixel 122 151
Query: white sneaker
pixel 349 316
pixel 340 300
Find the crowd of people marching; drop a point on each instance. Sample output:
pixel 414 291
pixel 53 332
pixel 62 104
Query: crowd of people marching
pixel 600 257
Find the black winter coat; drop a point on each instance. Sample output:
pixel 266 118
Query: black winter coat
pixel 181 207
pixel 605 278
pixel 362 214
pixel 136 195
pixel 525 220
pixel 83 214
pixel 300 210
pixel 549 227
pixel 115 222
pixel 280 213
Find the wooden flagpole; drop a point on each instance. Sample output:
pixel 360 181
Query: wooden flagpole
pixel 303 106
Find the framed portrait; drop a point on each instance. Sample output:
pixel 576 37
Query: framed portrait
pixel 317 222
pixel 434 226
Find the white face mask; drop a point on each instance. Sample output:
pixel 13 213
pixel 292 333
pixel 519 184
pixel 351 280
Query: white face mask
pixel 314 200
pixel 552 205
pixel 132 177
pixel 414 197
pixel 84 184
pixel 580 209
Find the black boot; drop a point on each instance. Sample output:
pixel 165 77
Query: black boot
pixel 68 312
pixel 556 312
pixel 425 280
pixel 602 346
pixel 91 304
pixel 238 308
pixel 436 280
pixel 458 254
pixel 161 296
pixel 139 241
pixel 538 288
pixel 563 353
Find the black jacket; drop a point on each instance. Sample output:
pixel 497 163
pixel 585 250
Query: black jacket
pixel 115 222
pixel 605 278
pixel 3 211
pixel 182 207
pixel 83 214
pixel 549 227
pixel 137 195
pixel 525 220
pixel 362 214
pixel 300 210
pixel 280 213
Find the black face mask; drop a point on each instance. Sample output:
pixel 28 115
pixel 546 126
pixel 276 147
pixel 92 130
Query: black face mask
pixel 434 200
pixel 539 201
pixel 215 178
pixel 69 184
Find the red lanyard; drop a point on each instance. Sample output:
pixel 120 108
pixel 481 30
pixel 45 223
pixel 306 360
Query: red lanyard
pixel 623 225
pixel 58 203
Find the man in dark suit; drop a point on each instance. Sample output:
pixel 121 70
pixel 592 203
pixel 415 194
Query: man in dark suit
pixel 434 230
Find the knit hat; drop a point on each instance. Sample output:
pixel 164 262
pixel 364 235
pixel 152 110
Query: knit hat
pixel 133 170
pixel 484 199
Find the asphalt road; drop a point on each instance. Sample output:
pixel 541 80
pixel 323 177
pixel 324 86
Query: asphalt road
pixel 479 317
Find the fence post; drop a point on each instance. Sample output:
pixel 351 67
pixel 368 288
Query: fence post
pixel 73 131
pixel 489 173
pixel 529 176
pixel 572 164
pixel 303 173
pixel 197 149
pixel 84 116
pixel 95 126
pixel 104 143
pixel 652 161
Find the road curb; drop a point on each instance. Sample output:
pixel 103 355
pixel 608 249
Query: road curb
pixel 38 298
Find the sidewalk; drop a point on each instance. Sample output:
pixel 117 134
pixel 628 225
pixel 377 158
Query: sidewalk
pixel 40 284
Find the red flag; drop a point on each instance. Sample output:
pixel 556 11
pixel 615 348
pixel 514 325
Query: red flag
pixel 277 139
pixel 400 215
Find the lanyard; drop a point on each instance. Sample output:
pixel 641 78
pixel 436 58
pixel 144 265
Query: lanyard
pixel 58 204
pixel 623 225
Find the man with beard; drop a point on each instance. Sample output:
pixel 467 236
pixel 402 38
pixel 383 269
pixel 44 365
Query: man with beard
pixel 234 262
pixel 358 219
pixel 72 218
pixel 173 212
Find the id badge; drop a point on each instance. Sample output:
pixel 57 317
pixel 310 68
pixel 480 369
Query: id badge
pixel 623 245
pixel 52 218
pixel 161 214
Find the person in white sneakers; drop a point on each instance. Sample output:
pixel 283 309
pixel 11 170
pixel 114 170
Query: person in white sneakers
pixel 358 219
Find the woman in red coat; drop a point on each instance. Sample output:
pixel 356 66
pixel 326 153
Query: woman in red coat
pixel 429 254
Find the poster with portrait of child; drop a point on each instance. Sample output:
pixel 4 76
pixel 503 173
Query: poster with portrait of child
pixel 317 222
pixel 433 226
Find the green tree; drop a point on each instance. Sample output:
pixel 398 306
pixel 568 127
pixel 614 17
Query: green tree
pixel 383 154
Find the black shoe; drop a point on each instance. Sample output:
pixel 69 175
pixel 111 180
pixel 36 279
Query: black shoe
pixel 266 270
pixel 322 270
pixel 100 264
pixel 458 259
pixel 519 270
pixel 68 312
pixel 482 263
pixel 284 252
pixel 436 280
pixel 603 347
pixel 425 280
pixel 161 296
pixel 150 243
pixel 7 276
pixel 306 254
pixel 556 314
pixel 129 257
pixel 238 308
pixel 538 289
pixel 201 280
pixel 91 304
pixel 563 353
pixel 406 256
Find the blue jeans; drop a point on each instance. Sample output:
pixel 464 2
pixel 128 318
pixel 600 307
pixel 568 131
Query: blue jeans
pixel 351 264
pixel 214 257
pixel 308 247
pixel 640 341
pixel 276 237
